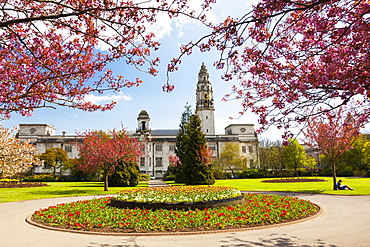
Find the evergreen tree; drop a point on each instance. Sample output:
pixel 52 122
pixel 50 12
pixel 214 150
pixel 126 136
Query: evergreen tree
pixel 191 143
pixel 180 148
pixel 125 175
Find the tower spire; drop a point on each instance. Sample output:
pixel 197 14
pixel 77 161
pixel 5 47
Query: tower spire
pixel 204 101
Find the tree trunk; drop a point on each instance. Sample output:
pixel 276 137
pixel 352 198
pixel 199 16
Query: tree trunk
pixel 106 181
pixel 334 177
pixel 232 172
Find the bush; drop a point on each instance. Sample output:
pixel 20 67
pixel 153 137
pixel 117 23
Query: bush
pixel 344 173
pixel 220 174
pixel 125 175
pixel 40 178
pixel 360 174
pixel 251 173
pixel 169 178
pixel 144 177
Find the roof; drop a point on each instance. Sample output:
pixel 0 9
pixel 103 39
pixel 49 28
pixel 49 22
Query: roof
pixel 144 113
pixel 164 132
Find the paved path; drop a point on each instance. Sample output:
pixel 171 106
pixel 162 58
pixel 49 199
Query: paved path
pixel 157 183
pixel 346 222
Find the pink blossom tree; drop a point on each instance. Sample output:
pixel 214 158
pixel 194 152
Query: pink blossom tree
pixel 333 134
pixel 49 50
pixel 101 152
pixel 290 56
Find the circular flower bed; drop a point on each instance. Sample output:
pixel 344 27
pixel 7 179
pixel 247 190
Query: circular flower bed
pixel 96 215
pixel 180 197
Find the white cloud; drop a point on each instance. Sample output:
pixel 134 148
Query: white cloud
pixel 99 99
pixel 164 25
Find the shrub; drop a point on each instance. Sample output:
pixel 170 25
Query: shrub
pixel 360 174
pixel 169 178
pixel 251 173
pixel 40 178
pixel 125 175
pixel 220 174
pixel 144 177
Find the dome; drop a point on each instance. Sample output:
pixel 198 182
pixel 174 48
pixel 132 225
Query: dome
pixel 143 113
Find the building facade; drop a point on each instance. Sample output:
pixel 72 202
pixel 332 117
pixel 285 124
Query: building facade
pixel 160 143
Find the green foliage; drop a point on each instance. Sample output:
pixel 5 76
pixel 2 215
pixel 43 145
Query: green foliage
pixel 193 140
pixel 40 178
pixel 54 157
pixel 251 173
pixel 221 174
pixel 294 155
pixel 144 177
pixel 175 173
pixel 271 157
pixel 356 160
pixel 190 141
pixel 169 178
pixel 125 175
pixel 230 158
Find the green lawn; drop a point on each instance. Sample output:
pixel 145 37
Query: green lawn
pixel 361 186
pixel 59 189
pixel 64 189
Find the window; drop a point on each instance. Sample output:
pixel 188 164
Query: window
pixel 68 148
pixel 250 149
pixel 244 149
pixel 142 161
pixel 158 148
pixel 172 148
pixel 158 161
pixel 251 162
pixel 212 147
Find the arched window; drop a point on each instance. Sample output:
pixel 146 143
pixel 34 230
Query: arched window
pixel 143 125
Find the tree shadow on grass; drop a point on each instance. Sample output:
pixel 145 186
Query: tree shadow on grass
pixel 62 192
pixel 273 239
pixel 90 184
pixel 290 193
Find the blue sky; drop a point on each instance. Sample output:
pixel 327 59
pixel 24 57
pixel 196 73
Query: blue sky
pixel 164 109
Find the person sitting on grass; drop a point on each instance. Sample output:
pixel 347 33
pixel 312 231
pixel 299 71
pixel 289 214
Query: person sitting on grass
pixel 342 187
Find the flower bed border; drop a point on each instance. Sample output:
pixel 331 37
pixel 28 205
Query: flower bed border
pixel 180 205
pixel 320 212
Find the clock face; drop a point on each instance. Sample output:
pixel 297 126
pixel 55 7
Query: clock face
pixel 205 96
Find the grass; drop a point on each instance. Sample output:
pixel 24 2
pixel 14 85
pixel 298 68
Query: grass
pixel 59 189
pixel 361 186
pixel 66 189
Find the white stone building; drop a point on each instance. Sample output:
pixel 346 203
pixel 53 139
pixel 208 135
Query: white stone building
pixel 161 142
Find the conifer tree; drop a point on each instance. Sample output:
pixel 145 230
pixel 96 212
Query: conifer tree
pixel 180 149
pixel 190 143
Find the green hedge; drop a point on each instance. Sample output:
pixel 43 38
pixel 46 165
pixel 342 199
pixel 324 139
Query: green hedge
pixel 41 178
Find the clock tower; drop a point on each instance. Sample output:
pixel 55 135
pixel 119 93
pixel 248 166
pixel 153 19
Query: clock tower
pixel 204 102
